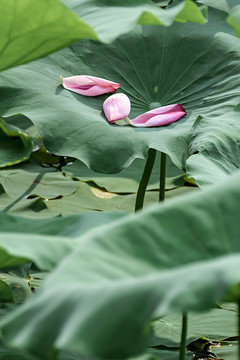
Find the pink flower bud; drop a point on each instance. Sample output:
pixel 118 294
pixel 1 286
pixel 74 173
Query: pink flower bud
pixel 116 107
pixel 89 85
pixel 158 117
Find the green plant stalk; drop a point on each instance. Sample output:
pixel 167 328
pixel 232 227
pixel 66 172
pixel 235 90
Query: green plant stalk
pixel 145 179
pixel 238 329
pixel 183 344
pixel 162 176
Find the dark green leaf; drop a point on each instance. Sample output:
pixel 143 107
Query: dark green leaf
pixel 15 145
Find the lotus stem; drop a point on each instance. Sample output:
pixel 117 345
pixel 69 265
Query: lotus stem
pixel 145 179
pixel 183 344
pixel 162 176
pixel 239 329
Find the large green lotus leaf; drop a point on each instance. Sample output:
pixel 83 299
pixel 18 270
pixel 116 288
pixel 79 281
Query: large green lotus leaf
pixel 31 29
pixel 111 18
pixel 214 148
pixel 15 145
pixel 127 181
pixel 215 325
pixel 178 256
pixel 185 63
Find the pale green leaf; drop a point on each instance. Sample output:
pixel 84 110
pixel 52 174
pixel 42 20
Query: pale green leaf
pixel 31 29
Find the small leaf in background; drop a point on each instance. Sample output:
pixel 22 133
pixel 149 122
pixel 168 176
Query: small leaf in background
pixel 127 181
pixel 15 145
pixel 190 12
pixel 47 185
pixel 215 325
pixel 217 4
pixel 115 17
pixel 90 198
pixel 26 184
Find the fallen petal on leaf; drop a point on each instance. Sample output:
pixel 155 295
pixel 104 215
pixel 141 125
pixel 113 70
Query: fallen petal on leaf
pixel 161 116
pixel 116 107
pixel 88 85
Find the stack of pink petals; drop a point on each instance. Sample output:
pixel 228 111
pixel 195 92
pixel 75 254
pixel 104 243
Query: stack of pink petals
pixel 89 85
pixel 159 117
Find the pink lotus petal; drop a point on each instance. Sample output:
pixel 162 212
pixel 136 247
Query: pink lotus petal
pixel 89 85
pixel 159 117
pixel 116 107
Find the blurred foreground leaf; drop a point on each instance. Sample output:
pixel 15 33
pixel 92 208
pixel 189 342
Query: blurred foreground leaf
pixel 174 257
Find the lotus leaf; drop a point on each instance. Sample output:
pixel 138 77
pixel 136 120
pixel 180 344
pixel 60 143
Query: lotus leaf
pixel 190 64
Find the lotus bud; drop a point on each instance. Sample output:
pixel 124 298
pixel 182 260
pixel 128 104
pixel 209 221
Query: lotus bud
pixel 159 117
pixel 116 107
pixel 88 85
